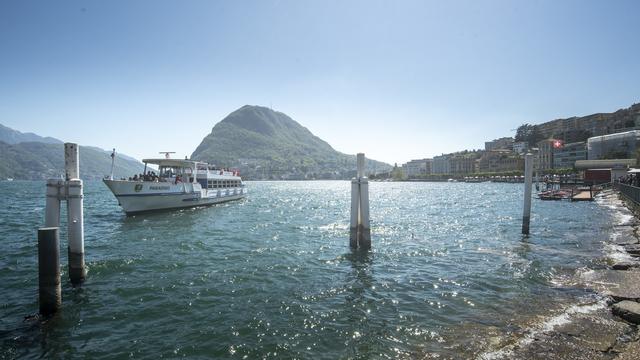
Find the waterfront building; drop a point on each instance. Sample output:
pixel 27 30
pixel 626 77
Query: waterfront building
pixel 614 146
pixel 577 129
pixel 502 143
pixel 613 169
pixel 462 164
pixel 500 161
pixel 417 167
pixel 566 156
pixel 520 147
pixel 546 149
pixel 441 164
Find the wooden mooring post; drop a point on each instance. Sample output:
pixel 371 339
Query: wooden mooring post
pixel 360 229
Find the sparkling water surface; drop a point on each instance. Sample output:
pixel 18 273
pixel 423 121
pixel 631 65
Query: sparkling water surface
pixel 272 276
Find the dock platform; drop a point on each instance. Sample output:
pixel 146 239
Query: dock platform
pixel 583 195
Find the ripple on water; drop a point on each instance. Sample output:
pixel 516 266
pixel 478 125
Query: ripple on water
pixel 449 274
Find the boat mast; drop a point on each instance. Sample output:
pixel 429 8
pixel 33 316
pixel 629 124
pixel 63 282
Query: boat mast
pixel 113 159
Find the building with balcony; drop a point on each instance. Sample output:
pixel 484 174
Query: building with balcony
pixel 576 129
pixel 500 161
pixel 441 164
pixel 463 164
pixel 565 157
pixel 502 143
pixel 520 147
pixel 546 150
pixel 419 167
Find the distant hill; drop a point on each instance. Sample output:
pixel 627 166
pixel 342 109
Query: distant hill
pixel 10 136
pixel 32 157
pixel 266 144
pixel 37 161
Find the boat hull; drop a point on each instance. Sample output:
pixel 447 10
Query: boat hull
pixel 138 197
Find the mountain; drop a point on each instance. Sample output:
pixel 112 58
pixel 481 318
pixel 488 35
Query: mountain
pixel 10 136
pixel 37 161
pixel 266 144
pixel 32 157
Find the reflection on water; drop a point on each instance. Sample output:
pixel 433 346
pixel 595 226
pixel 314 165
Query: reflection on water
pixel 272 276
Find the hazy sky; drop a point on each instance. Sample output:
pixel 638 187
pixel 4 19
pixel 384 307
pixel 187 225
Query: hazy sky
pixel 397 80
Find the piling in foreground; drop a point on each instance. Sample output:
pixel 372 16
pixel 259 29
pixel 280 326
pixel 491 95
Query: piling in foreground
pixel 70 190
pixel 49 289
pixel 360 231
pixel 77 271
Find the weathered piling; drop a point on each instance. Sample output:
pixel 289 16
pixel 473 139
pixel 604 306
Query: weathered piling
pixel 75 223
pixel 71 161
pixel 528 172
pixel 360 231
pixel 355 213
pixel 75 216
pixel 70 190
pixel 52 205
pixel 364 228
pixel 49 288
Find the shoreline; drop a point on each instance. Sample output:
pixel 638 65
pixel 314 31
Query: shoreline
pixel 605 327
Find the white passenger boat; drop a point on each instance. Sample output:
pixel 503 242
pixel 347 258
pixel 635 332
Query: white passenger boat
pixel 175 186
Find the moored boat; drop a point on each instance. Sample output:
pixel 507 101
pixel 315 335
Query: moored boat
pixel 554 195
pixel 178 184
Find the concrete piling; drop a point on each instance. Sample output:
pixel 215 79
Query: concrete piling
pixel 75 223
pixel 70 190
pixel 360 165
pixel 49 288
pixel 355 213
pixel 71 161
pixel 360 231
pixel 52 207
pixel 528 172
pixel 364 228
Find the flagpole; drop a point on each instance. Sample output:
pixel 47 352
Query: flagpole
pixel 113 159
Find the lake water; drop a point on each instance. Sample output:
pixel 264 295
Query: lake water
pixel 272 276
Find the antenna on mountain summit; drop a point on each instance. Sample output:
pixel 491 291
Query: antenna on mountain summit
pixel 166 153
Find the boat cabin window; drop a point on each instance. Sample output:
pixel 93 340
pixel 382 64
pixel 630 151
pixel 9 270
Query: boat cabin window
pixel 168 172
pixel 222 184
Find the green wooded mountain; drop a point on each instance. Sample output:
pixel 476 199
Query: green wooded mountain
pixel 44 158
pixel 266 144
pixel 10 136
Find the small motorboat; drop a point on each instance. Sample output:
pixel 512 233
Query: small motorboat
pixel 554 195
